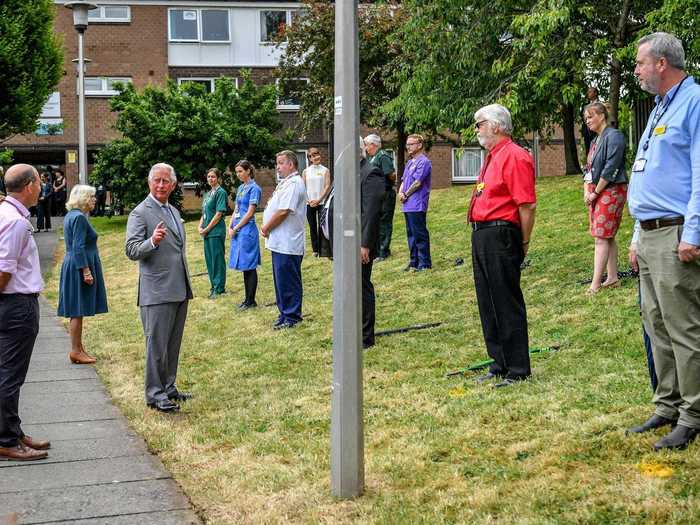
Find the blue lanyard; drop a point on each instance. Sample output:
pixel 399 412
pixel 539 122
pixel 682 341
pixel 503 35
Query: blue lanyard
pixel 657 116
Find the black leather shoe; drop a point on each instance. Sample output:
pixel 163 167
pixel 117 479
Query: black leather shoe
pixel 653 422
pixel 245 306
pixel 181 397
pixel 508 382
pixel 486 377
pixel 164 405
pixel 679 438
pixel 283 326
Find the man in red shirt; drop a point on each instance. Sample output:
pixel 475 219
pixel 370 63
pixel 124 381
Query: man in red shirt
pixel 502 214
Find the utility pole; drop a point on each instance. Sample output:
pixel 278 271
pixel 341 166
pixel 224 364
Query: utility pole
pixel 347 433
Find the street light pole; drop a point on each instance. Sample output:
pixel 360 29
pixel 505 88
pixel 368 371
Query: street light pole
pixel 80 22
pixel 347 435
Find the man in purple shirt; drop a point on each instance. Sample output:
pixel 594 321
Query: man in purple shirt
pixel 414 194
pixel 20 285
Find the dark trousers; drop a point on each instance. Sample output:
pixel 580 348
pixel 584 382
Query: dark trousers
pixel 250 283
pixel 386 223
pixel 43 214
pixel 496 256
pixel 286 272
pixel 418 239
pixel 368 305
pixel 312 215
pixel 19 326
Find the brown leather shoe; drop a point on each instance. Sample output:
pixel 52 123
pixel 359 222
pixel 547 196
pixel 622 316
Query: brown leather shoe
pixel 35 443
pixel 81 358
pixel 21 453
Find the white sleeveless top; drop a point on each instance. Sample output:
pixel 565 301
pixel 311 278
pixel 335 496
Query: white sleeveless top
pixel 314 181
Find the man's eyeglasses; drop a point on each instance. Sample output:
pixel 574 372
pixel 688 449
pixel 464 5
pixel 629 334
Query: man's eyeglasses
pixel 478 124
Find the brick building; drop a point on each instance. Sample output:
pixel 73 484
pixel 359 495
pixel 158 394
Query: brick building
pixel 147 41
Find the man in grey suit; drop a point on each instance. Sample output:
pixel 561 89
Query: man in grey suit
pixel 155 237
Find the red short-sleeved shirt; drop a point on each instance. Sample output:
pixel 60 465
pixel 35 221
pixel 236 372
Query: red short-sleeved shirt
pixel 506 181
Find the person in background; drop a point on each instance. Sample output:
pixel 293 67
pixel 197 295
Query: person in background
pixel 664 198
pixel 243 232
pixel 317 179
pixel 212 228
pixel 587 134
pixel 605 193
pixel 414 195
pixel 284 232
pixel 81 290
pixel 3 191
pixel 380 158
pixel 43 220
pixel 59 194
pixel 502 215
pixel 20 286
pixel 101 196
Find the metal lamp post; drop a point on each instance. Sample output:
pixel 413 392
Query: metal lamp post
pixel 80 21
pixel 347 435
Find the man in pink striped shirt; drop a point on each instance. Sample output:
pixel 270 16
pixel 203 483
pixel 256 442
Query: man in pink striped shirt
pixel 20 285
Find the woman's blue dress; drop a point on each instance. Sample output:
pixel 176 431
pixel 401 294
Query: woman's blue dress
pixel 245 246
pixel 75 297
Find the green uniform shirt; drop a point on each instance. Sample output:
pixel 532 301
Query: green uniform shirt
pixel 383 160
pixel 215 201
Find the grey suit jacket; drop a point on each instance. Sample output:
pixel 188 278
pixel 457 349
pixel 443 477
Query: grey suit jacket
pixel 608 159
pixel 163 273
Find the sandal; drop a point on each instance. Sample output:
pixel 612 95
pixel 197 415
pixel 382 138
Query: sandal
pixel 614 284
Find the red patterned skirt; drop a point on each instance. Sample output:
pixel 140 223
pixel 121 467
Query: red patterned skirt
pixel 605 215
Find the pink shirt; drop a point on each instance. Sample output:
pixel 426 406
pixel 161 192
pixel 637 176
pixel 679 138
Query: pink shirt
pixel 19 255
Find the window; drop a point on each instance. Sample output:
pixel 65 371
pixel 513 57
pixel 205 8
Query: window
pixel 208 83
pixel 302 156
pixel 466 164
pixel 103 86
pixel 110 13
pixel 273 23
pixel 289 93
pixel 199 25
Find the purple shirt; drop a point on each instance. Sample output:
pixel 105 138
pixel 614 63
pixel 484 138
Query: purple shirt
pixel 417 169
pixel 19 255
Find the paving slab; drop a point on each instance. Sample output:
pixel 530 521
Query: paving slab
pixel 63 451
pixel 95 501
pixel 98 469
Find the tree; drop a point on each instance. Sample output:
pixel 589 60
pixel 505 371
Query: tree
pixel 190 129
pixel 31 62
pixel 308 47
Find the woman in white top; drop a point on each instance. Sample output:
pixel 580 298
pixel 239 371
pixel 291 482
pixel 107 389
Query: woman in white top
pixel 317 179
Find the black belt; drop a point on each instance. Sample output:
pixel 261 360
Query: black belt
pixel 492 224
pixel 36 294
pixel 655 224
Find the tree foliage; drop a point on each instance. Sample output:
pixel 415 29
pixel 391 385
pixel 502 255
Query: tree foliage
pixel 190 129
pixel 31 62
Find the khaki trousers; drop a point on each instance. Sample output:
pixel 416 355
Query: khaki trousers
pixel 671 311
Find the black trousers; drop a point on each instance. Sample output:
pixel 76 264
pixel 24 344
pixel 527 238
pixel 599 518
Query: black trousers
pixel 368 304
pixel 250 283
pixel 314 222
pixel 43 221
pixel 497 253
pixel 19 326
pixel 386 223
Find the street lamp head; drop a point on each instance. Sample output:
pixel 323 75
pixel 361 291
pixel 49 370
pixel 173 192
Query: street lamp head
pixel 80 14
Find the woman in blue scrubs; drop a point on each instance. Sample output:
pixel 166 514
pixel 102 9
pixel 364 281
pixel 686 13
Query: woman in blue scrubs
pixel 243 232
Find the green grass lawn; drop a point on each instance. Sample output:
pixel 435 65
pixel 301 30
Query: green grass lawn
pixel 253 446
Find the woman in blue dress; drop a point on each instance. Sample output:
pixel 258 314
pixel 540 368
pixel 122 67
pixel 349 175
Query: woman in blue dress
pixel 82 289
pixel 243 232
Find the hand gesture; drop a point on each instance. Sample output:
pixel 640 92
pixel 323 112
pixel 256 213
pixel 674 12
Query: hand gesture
pixel 159 233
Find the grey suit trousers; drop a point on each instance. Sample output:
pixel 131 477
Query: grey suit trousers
pixel 163 326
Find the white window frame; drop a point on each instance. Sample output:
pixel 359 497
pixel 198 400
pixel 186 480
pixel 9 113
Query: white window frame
pixel 288 107
pixel 465 180
pixel 305 153
pixel 104 92
pixel 260 15
pixel 102 19
pixel 211 80
pixel 199 38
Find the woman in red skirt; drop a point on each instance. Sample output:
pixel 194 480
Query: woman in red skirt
pixel 605 193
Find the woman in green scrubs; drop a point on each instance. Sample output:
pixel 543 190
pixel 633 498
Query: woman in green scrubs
pixel 212 228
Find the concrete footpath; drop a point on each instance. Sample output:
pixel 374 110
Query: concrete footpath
pixel 98 470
